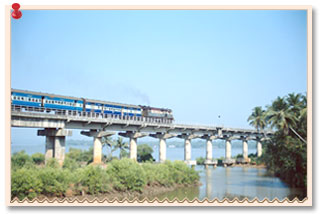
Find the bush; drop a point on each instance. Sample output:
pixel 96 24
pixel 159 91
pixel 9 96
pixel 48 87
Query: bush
pixel 182 173
pixel 74 154
pixel 120 175
pixel 52 163
pixel 80 156
pixel 127 175
pixel 95 179
pixel 70 164
pixel 158 174
pixel 20 159
pixel 38 158
pixel 200 160
pixel 55 181
pixel 25 183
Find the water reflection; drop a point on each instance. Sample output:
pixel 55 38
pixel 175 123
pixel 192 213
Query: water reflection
pixel 208 183
pixel 240 182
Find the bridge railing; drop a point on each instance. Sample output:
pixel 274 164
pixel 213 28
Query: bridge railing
pixel 83 114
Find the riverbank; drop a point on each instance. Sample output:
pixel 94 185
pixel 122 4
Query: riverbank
pixel 259 166
pixel 121 178
pixel 149 192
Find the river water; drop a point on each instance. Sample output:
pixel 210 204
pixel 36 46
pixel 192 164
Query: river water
pixel 217 182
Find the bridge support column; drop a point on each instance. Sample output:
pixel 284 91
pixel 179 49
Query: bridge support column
pixel 97 148
pixel 209 151
pixel 245 151
pixel 55 143
pixel 133 142
pixel 162 150
pixel 228 150
pixel 259 148
pixel 188 147
pixel 162 144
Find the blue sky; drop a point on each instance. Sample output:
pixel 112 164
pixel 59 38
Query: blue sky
pixel 201 64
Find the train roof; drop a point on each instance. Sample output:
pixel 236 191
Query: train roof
pixel 73 98
pixel 155 108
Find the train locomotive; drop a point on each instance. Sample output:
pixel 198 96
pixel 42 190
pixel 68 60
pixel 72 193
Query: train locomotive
pixel 51 103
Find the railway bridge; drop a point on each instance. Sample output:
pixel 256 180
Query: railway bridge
pixel 56 126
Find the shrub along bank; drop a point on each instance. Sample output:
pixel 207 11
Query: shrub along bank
pixel 30 179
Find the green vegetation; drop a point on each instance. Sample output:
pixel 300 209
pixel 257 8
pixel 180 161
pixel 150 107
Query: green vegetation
pixel 255 159
pixel 38 158
pixel 285 155
pixel 200 160
pixel 122 146
pixel 80 156
pixel 144 153
pixel 32 178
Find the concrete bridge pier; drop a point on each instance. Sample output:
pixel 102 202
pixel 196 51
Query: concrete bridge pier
pixel 133 142
pixel 209 151
pixel 228 152
pixel 245 151
pixel 162 144
pixel 55 143
pixel 259 148
pixel 97 149
pixel 228 149
pixel 188 147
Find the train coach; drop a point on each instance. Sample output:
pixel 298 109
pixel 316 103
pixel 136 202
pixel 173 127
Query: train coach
pixel 51 103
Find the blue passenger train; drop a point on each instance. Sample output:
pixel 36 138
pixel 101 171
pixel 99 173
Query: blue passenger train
pixel 38 101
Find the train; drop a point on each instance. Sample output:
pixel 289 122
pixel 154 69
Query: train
pixel 45 102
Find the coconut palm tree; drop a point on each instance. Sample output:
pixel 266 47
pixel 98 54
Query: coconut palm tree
pixel 108 142
pixel 295 102
pixel 279 115
pixel 282 115
pixel 257 118
pixel 121 145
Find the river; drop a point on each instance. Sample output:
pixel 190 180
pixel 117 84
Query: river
pixel 217 182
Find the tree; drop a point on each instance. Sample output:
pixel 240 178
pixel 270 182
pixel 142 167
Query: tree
pixel 108 142
pixel 286 154
pixel 122 146
pixel 279 115
pixel 295 103
pixel 144 153
pixel 284 113
pixel 257 118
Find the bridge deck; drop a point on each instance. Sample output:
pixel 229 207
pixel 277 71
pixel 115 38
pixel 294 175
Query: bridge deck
pixel 74 120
